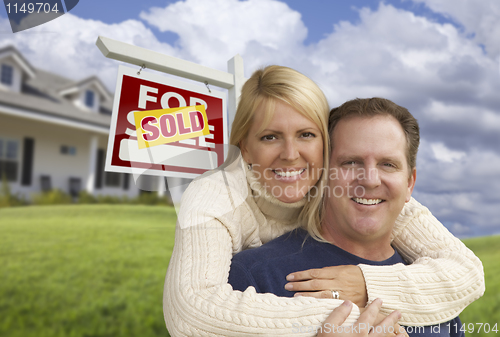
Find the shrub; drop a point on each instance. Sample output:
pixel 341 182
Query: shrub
pixel 7 199
pixel 108 199
pixel 146 198
pixel 85 197
pixel 53 197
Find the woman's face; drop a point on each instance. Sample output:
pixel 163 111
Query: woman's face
pixel 287 156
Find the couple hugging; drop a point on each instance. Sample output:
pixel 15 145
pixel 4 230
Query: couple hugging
pixel 313 226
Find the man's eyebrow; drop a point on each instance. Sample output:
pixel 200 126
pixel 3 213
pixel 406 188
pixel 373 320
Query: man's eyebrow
pixel 392 159
pixel 342 158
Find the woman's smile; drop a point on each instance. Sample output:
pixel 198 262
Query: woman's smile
pixel 287 155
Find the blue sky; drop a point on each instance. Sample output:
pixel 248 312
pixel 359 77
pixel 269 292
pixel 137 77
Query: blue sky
pixel 318 21
pixel 438 58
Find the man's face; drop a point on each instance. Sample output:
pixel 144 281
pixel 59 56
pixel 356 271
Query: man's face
pixel 369 178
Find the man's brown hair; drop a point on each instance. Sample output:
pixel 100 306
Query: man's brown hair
pixel 369 107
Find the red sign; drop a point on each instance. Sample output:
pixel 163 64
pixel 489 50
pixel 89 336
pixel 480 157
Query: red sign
pixel 186 158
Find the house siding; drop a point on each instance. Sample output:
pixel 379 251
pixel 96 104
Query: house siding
pixel 48 159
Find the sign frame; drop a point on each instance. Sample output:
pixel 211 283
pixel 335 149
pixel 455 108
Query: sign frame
pixel 164 81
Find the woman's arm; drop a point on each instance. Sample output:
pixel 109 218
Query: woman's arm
pixel 443 278
pixel 198 301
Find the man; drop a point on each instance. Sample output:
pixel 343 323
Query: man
pixel 371 177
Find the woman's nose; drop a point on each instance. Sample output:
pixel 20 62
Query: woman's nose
pixel 290 151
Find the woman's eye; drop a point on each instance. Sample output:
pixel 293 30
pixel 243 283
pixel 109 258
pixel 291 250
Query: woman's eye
pixel 308 135
pixel 268 137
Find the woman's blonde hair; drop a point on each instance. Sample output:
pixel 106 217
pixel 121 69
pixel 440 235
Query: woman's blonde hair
pixel 277 83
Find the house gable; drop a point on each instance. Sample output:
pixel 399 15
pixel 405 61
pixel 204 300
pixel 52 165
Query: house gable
pixel 14 70
pixel 89 94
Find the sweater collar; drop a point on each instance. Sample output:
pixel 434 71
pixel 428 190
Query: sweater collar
pixel 268 204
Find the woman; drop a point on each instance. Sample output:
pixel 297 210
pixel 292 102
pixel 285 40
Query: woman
pixel 243 205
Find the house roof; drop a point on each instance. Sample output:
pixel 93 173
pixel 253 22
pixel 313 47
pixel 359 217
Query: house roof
pixel 77 86
pixel 11 51
pixel 42 94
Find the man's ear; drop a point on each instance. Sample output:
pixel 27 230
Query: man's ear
pixel 411 183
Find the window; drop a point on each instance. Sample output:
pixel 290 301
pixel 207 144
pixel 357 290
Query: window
pixel 112 179
pixel 45 183
pixel 9 150
pixel 68 150
pixel 7 74
pixel 89 98
pixel 75 186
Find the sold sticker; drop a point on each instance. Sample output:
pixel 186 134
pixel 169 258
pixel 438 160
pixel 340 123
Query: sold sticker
pixel 157 127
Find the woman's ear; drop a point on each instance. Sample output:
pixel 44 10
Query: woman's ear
pixel 244 151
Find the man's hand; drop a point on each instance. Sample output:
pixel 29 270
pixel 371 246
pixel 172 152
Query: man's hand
pixel 365 326
pixel 380 317
pixel 347 280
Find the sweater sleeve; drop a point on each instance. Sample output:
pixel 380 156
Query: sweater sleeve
pixel 443 278
pixel 197 299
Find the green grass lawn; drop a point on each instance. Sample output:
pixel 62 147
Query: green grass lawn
pixel 487 308
pixel 98 270
pixel 84 270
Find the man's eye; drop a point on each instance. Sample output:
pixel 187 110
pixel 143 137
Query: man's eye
pixel 349 163
pixel 390 165
pixel 268 137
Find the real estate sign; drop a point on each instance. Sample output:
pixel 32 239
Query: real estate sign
pixel 165 127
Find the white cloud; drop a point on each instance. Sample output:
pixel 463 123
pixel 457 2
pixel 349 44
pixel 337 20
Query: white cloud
pixel 460 229
pixel 462 190
pixel 67 45
pixel 485 119
pixel 211 32
pixel 474 169
pixel 396 54
pixel 442 153
pixel 479 18
pixel 438 71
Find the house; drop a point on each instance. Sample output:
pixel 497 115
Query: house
pixel 54 132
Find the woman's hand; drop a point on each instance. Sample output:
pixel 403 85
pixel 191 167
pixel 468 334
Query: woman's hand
pixel 364 326
pixel 347 280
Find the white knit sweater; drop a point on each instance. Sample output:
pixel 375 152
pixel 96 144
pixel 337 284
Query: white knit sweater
pixel 221 215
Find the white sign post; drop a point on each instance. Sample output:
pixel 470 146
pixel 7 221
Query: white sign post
pixel 232 80
pixel 143 58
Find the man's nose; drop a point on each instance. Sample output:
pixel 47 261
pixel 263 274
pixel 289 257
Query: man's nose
pixel 370 179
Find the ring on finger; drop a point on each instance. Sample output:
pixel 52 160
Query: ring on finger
pixel 335 294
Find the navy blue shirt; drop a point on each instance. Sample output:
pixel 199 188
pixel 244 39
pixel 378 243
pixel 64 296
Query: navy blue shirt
pixel 265 268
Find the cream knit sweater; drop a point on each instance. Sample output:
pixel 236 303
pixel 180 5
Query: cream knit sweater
pixel 221 215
